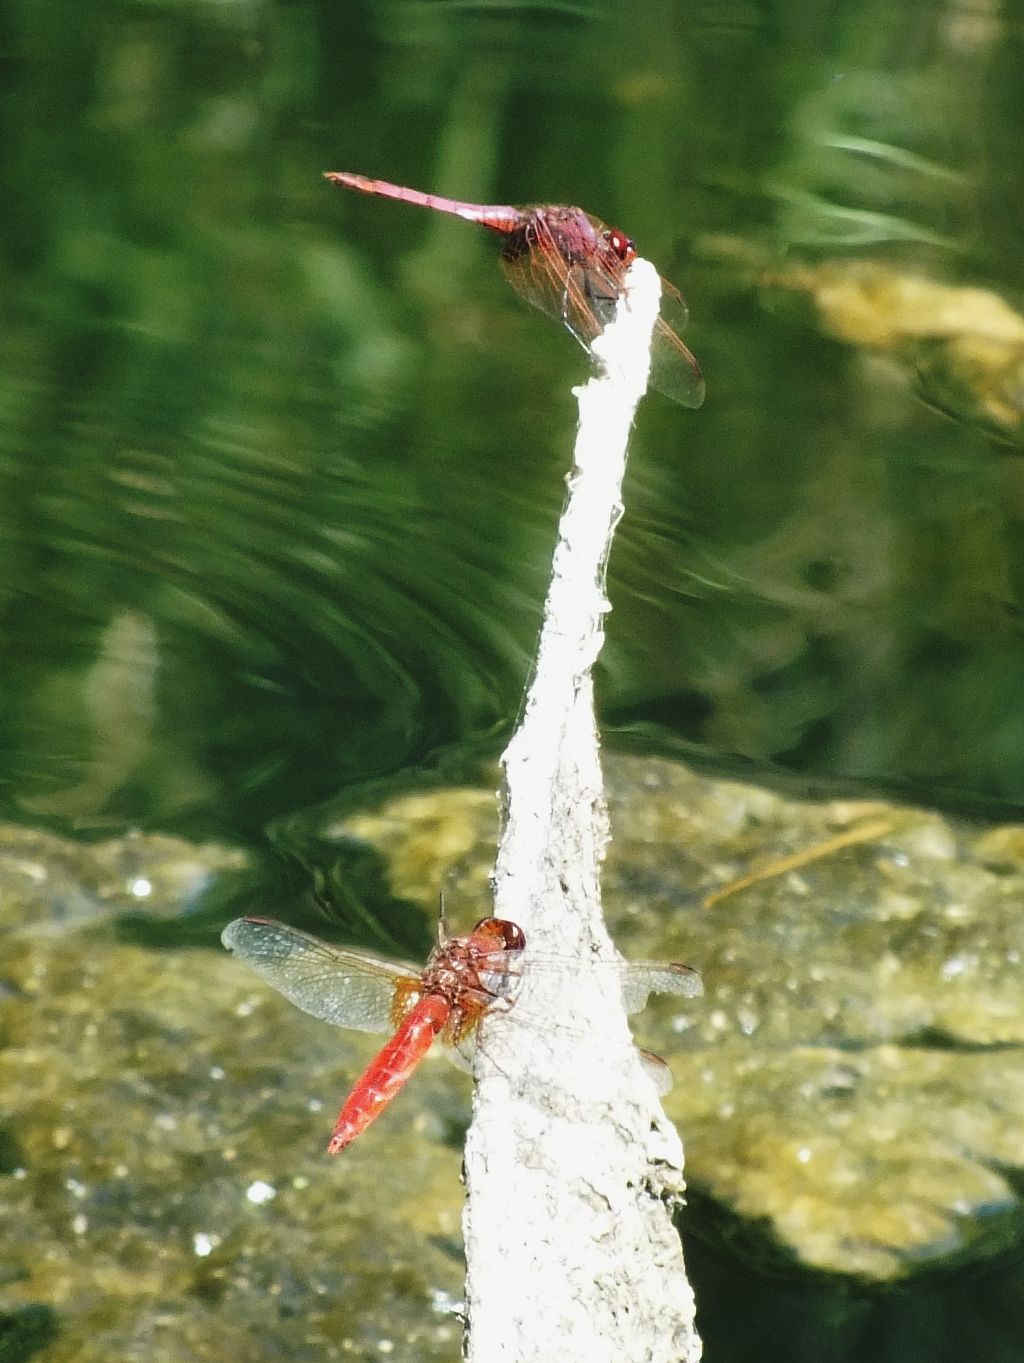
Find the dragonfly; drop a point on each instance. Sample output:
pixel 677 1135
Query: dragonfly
pixel 465 978
pixel 571 266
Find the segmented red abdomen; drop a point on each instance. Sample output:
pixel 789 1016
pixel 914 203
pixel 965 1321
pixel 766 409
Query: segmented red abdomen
pixel 498 217
pixel 389 1069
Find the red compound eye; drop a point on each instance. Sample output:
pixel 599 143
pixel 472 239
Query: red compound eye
pixel 623 246
pixel 510 935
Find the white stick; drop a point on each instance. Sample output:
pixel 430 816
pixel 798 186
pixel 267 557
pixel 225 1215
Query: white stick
pixel 572 1169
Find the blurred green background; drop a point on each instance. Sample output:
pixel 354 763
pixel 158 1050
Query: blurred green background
pixel 280 466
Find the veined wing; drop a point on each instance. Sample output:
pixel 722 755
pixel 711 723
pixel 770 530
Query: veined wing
pixel 581 297
pixel 501 971
pixel 347 988
pixel 674 369
pixel 584 297
pixel 640 979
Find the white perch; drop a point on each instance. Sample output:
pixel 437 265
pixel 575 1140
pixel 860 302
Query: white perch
pixel 573 1171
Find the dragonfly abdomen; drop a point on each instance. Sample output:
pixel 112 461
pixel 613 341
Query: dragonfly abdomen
pixel 389 1069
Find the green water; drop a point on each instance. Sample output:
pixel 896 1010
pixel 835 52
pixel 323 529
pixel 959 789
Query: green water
pixel 280 465
pixel 309 445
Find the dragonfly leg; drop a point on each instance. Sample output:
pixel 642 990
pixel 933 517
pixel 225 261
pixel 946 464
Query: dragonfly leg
pixel 574 279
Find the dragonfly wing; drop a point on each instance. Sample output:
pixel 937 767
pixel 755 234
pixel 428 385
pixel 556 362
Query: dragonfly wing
pixel 674 312
pixel 592 295
pixel 656 1070
pixel 502 972
pixel 581 297
pixel 674 370
pixel 584 297
pixel 347 988
pixel 546 284
pixel 641 979
pixel 462 1052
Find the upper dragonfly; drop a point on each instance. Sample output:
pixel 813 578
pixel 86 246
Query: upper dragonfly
pixel 463 979
pixel 571 266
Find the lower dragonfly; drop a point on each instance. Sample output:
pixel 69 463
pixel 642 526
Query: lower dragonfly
pixel 464 978
pixel 570 265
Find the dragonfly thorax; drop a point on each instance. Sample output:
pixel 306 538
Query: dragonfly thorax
pixel 575 236
pixel 446 977
pixel 475 968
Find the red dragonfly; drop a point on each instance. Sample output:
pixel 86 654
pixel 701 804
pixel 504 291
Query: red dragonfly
pixel 463 979
pixel 572 267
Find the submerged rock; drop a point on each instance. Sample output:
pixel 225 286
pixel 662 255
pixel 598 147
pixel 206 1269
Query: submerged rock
pixel 164 1191
pixel 852 1084
pixel 851 1088
pixel 49 882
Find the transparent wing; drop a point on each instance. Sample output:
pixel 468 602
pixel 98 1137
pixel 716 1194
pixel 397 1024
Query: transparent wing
pixel 347 988
pixel 581 298
pixel 641 979
pixel 637 981
pixel 500 972
pixel 462 1052
pixel 674 370
pixel 657 1071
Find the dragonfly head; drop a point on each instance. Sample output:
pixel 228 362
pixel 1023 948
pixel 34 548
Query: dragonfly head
pixel 500 934
pixel 621 246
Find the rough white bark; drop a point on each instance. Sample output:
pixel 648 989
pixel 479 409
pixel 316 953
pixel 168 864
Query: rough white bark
pixel 572 1169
